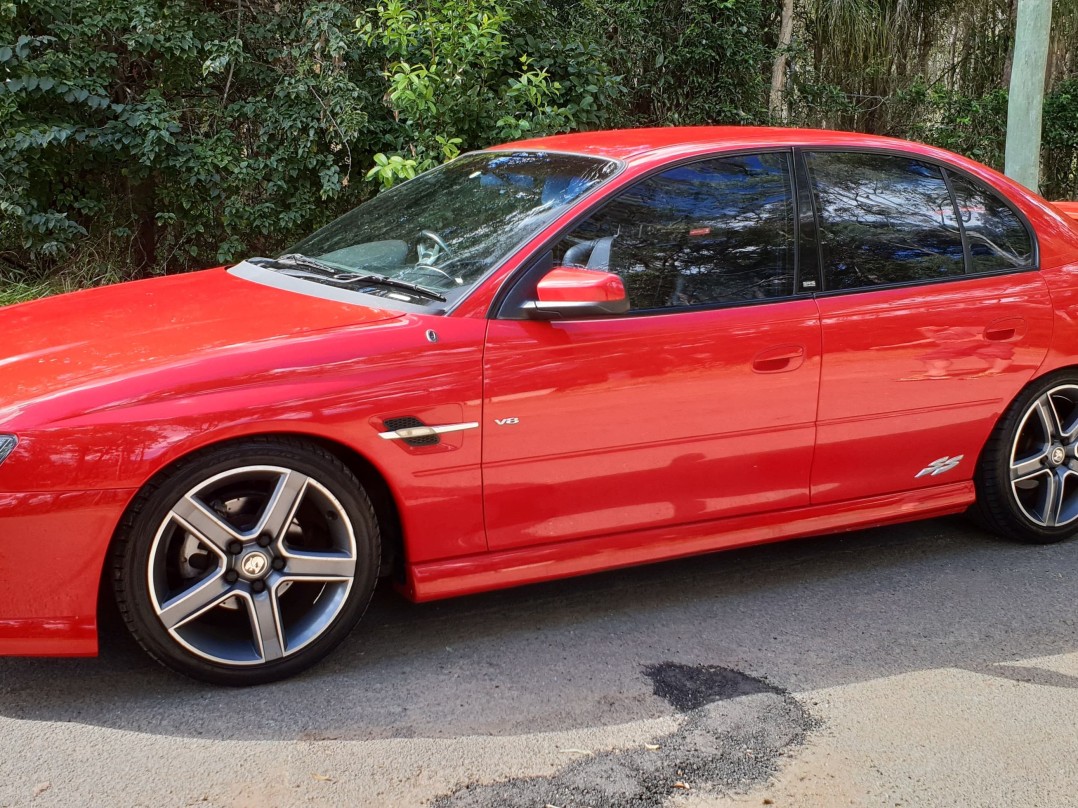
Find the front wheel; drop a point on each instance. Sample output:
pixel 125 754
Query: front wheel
pixel 1027 480
pixel 247 563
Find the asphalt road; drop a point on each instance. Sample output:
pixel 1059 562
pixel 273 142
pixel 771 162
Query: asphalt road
pixel 926 664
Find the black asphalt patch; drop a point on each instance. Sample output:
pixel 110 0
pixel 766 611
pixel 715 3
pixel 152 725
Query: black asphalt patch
pixel 689 687
pixel 735 729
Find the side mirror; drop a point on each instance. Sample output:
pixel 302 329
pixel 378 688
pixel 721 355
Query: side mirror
pixel 567 292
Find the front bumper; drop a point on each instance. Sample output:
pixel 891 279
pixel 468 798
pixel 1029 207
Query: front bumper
pixel 52 548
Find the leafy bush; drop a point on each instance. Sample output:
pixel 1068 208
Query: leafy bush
pixel 1061 141
pixel 183 132
pixel 186 131
pixel 693 62
pixel 168 134
pixel 161 135
pixel 462 74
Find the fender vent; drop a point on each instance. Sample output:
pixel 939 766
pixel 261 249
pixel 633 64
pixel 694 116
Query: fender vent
pixel 407 421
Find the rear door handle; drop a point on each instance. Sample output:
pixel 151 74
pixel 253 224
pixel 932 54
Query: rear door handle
pixel 1005 329
pixel 779 359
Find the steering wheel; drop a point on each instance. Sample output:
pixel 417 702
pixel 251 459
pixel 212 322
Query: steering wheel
pixel 428 256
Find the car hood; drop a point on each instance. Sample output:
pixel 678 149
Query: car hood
pixel 54 344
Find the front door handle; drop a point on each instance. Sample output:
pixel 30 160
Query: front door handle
pixel 779 359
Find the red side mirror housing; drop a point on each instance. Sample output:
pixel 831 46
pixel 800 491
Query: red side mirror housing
pixel 566 292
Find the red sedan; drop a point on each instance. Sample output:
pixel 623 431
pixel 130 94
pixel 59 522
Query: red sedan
pixel 540 360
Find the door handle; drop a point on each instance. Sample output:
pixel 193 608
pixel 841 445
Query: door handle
pixel 779 359
pixel 1005 329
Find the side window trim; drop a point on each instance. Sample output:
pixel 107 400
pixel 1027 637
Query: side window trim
pixel 947 169
pixel 809 282
pixel 967 256
pixel 519 287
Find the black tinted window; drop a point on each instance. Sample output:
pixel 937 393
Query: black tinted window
pixel 883 219
pixel 997 238
pixel 718 231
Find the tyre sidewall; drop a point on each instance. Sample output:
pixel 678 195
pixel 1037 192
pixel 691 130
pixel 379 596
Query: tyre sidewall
pixel 996 499
pixel 132 580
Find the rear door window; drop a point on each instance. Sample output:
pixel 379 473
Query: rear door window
pixel 883 219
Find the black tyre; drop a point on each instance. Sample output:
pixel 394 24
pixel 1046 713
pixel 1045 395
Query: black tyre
pixel 1027 478
pixel 247 563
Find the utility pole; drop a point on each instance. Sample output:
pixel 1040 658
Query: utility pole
pixel 1026 101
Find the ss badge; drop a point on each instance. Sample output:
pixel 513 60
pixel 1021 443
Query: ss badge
pixel 937 467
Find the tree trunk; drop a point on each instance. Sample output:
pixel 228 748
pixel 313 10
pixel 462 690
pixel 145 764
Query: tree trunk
pixel 777 102
pixel 142 194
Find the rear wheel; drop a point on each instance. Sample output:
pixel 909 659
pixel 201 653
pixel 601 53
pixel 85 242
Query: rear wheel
pixel 247 563
pixel 1027 481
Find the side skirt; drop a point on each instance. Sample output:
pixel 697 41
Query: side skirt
pixel 498 570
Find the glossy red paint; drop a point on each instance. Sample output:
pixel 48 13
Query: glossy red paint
pixel 498 570
pixel 51 553
pixel 626 423
pixel 571 284
pixel 1069 208
pixel 908 369
pixel 603 442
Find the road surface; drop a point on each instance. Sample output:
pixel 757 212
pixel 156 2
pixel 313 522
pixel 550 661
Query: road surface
pixel 920 665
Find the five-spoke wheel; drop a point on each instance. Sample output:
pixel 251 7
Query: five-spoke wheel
pixel 248 564
pixel 1044 458
pixel 1027 481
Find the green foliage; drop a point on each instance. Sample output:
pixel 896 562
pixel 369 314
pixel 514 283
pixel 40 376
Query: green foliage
pixel 1061 140
pixel 162 135
pixel 189 132
pixel 975 127
pixel 461 74
pixel 692 62
pixel 389 170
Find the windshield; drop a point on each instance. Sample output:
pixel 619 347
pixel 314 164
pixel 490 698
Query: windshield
pixel 443 231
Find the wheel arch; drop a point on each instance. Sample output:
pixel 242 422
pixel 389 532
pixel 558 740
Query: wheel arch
pixel 382 496
pixel 989 509
pixel 377 486
pixel 1042 374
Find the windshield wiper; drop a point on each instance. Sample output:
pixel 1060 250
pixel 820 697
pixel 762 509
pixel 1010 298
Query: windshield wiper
pixel 301 260
pixel 355 277
pixel 335 274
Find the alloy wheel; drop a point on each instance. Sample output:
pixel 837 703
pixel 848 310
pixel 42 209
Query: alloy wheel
pixel 1043 463
pixel 252 565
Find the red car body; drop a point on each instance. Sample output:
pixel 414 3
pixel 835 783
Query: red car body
pixel 603 442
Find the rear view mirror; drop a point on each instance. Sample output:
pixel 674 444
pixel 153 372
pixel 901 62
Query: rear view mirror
pixel 567 292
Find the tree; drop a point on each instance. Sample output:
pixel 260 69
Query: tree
pixel 776 106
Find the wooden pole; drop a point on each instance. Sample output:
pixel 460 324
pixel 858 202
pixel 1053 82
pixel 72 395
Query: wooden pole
pixel 1026 102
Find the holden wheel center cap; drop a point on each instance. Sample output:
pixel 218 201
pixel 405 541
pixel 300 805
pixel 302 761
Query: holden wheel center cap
pixel 254 565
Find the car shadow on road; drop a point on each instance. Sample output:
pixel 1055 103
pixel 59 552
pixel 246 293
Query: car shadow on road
pixel 802 615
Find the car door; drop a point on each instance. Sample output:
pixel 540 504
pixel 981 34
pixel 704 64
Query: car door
pixel 697 404
pixel 933 319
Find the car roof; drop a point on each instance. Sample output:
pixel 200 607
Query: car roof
pixel 635 145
